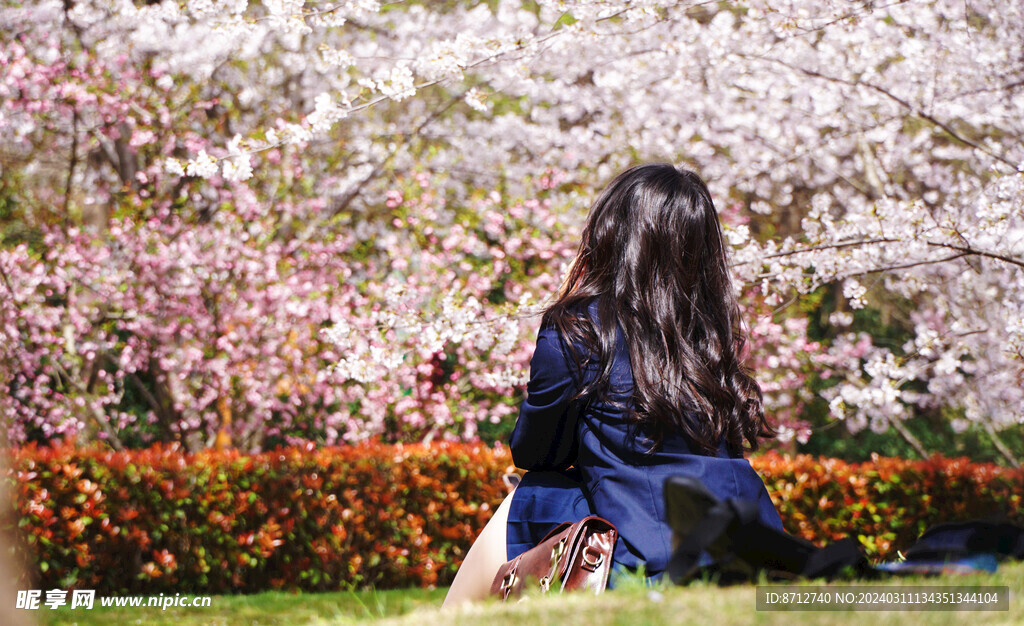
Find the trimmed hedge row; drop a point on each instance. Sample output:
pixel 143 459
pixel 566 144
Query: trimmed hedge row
pixel 886 502
pixel 160 520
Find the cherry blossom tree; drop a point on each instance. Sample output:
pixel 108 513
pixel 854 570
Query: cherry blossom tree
pixel 874 145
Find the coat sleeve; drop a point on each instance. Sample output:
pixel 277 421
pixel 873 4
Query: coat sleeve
pixel 544 437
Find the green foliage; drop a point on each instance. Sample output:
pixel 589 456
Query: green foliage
pixel 14 228
pixel 935 434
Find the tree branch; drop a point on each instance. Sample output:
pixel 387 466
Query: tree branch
pixel 909 437
pixel 907 265
pixel 71 169
pixel 828 246
pixel 969 250
pixel 97 416
pixel 1000 446
pixel 888 94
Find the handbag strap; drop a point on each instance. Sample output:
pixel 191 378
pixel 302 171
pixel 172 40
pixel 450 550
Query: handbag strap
pixel 556 530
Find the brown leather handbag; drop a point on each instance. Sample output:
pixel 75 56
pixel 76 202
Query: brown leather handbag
pixel 572 556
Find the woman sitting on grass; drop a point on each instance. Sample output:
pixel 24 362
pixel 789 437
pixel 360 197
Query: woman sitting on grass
pixel 636 376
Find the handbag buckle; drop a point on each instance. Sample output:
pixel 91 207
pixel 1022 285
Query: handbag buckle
pixel 556 553
pixel 508 580
pixel 592 563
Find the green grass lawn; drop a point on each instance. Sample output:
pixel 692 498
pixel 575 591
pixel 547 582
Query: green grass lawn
pixel 628 605
pixel 272 607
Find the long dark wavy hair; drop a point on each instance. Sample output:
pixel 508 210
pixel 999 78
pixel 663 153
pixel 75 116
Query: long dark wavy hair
pixel 653 255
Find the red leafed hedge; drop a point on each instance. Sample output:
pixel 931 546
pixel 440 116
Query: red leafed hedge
pixel 886 502
pixel 160 520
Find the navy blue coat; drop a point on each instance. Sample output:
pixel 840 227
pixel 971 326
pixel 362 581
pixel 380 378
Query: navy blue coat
pixel 612 476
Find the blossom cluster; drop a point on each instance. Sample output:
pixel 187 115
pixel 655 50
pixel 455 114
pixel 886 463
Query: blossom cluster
pixel 341 166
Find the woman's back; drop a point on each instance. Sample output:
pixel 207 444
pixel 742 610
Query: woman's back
pixel 646 324
pixel 618 479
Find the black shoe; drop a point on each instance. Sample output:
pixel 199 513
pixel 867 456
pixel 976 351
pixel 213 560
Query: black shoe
pixel 742 547
pixel 699 521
